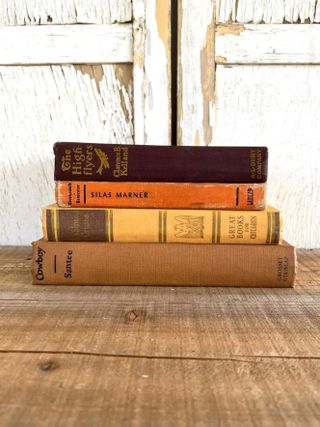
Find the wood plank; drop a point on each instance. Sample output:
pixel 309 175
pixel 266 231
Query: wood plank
pixel 277 107
pixel 58 389
pixel 41 105
pixel 158 356
pixel 268 11
pixel 152 71
pixel 66 44
pixel 155 322
pixel 196 71
pixel 44 12
pixel 268 44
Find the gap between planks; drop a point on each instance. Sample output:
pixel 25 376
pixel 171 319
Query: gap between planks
pixel 236 358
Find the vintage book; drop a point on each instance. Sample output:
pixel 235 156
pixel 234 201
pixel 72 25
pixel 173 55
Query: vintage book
pixel 157 225
pixel 87 263
pixel 106 162
pixel 160 195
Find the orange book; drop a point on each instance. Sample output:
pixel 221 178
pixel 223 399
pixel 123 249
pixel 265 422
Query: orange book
pixel 160 195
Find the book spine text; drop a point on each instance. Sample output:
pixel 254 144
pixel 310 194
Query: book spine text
pixel 106 162
pixel 164 226
pixel 74 263
pixel 160 195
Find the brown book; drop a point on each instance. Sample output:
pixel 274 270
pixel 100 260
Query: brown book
pixel 107 162
pixel 83 263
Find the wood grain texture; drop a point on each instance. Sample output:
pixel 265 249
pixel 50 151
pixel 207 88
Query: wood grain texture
pixel 82 390
pixel 66 44
pixel 41 105
pixel 152 71
pixel 277 106
pixel 158 356
pixel 268 44
pixel 26 12
pixel 196 71
pixel 159 321
pixel 268 11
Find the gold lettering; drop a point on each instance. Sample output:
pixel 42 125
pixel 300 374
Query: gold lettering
pixel 66 160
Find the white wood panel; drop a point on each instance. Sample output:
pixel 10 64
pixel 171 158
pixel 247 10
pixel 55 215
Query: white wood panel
pixel 152 71
pixel 278 106
pixel 41 105
pixel 33 12
pixel 65 44
pixel 196 71
pixel 268 11
pixel 268 44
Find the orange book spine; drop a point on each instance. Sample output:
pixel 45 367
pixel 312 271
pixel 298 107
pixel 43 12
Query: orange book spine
pixel 160 195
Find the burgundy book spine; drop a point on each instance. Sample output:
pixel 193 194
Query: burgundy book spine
pixel 106 162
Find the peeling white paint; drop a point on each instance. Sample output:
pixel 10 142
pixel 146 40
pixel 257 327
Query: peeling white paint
pixel 41 105
pixel 34 12
pixel 152 72
pixel 268 11
pixel 139 77
pixel 196 19
pixel 269 44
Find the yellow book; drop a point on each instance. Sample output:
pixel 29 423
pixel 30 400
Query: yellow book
pixel 164 226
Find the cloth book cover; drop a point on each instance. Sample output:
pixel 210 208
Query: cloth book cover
pixel 97 263
pixel 107 162
pixel 157 225
pixel 160 195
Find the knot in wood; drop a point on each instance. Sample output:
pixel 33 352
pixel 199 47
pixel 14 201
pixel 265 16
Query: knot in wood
pixel 131 316
pixel 48 365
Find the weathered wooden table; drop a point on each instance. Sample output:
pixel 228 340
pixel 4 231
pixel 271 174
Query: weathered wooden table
pixel 134 356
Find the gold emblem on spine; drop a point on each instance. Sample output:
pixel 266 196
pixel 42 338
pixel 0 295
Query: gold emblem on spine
pixel 189 227
pixel 104 161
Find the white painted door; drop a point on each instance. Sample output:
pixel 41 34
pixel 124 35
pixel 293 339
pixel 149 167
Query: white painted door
pixel 101 70
pixel 75 70
pixel 249 75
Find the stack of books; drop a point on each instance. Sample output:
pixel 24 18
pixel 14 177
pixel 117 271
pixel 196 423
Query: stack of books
pixel 154 215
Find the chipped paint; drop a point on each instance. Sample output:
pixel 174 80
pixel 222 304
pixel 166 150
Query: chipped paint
pixel 196 71
pixel 95 72
pixel 164 27
pixel 152 71
pixel 197 139
pixel 208 79
pixel 139 73
pixel 269 12
pixel 139 44
pixel 234 29
pixel 50 103
pixel 163 13
pixel 39 12
pixel 180 78
pixel 221 60
pixel 123 74
pixel 271 44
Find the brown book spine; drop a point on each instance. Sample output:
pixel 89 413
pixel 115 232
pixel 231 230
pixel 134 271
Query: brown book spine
pixel 78 263
pixel 105 162
pixel 170 195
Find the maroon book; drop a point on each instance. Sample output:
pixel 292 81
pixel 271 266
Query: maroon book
pixel 106 162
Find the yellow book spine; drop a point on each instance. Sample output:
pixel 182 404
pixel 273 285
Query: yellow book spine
pixel 164 226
